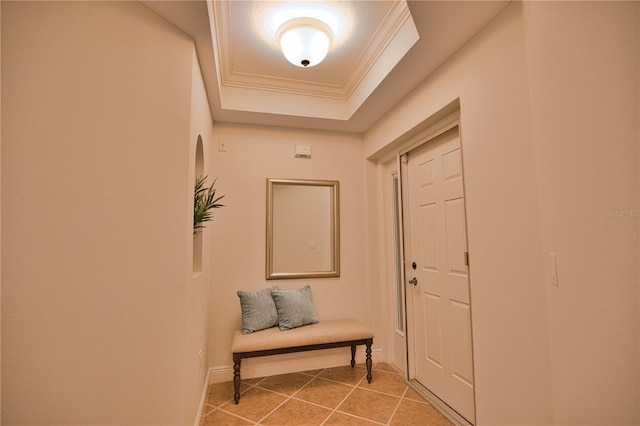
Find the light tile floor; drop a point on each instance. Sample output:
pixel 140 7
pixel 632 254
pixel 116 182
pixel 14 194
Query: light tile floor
pixel 332 396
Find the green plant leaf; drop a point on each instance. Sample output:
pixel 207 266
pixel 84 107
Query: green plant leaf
pixel 204 200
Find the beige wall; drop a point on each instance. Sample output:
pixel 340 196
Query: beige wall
pixel 238 248
pixel 550 141
pixel 197 289
pixel 100 320
pixel 583 79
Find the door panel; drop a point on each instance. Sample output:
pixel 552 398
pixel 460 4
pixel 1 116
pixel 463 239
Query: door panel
pixel 460 321
pixel 456 235
pixel 429 247
pixel 438 244
pixel 433 325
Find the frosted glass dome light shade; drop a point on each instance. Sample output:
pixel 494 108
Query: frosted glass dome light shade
pixel 304 42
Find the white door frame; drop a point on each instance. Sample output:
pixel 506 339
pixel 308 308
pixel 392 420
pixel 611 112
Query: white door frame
pixel 434 130
pixel 411 353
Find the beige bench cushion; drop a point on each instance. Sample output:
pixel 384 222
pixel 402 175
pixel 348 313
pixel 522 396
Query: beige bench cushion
pixel 328 331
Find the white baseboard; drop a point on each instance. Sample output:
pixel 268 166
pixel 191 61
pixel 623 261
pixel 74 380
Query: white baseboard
pixel 203 401
pixel 291 363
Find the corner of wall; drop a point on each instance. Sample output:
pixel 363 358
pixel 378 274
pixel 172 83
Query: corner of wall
pixel 199 272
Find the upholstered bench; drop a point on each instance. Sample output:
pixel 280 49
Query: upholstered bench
pixel 322 335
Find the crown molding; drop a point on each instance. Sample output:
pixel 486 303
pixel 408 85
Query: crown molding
pixel 246 91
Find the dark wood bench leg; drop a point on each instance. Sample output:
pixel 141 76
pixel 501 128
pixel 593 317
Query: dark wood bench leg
pixel 236 380
pixel 369 343
pixel 353 356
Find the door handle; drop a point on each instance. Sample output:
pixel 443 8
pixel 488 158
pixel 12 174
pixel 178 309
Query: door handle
pixel 413 281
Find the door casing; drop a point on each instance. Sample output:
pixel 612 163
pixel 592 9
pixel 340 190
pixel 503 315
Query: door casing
pixel 438 126
pixel 454 377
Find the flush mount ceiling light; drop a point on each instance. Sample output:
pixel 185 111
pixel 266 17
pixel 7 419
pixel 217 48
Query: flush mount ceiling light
pixel 304 41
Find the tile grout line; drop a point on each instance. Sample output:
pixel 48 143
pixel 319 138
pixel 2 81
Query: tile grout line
pixel 395 410
pixel 357 386
pixel 372 391
pixel 219 407
pixel 311 378
pixel 233 414
pixel 336 410
pixel 342 401
pixel 251 386
pixel 289 397
pixel 273 411
pixel 332 411
pixel 354 387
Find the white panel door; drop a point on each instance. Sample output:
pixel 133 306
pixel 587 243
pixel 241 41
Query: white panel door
pixel 438 246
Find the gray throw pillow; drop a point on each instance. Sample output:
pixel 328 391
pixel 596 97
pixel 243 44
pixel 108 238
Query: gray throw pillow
pixel 294 307
pixel 258 310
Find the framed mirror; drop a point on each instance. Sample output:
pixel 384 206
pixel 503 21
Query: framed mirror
pixel 303 228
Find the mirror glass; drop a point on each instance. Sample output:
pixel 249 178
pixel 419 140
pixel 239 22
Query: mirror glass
pixel 303 229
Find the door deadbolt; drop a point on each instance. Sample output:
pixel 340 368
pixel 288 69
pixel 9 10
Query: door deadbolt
pixel 414 266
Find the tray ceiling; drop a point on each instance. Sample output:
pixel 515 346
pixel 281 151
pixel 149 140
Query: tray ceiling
pixel 370 39
pixel 382 52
